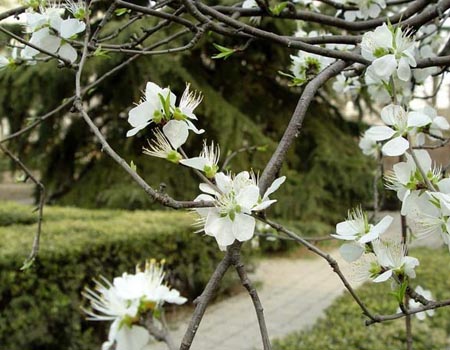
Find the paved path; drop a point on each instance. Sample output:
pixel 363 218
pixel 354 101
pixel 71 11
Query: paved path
pixel 294 293
pixel 17 192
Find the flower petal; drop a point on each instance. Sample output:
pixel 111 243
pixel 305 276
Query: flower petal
pixel 243 227
pixel 379 133
pixel 346 228
pixel 274 186
pixel 351 251
pixel 68 52
pixel 248 197
pixel 71 26
pixel 385 66
pixel 141 114
pixel 404 70
pixel 395 147
pixel 417 119
pixel 383 277
pixel 131 338
pixel 198 163
pixel 176 132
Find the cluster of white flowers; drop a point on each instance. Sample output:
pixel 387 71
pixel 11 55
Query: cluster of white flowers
pixel 235 198
pixel 128 299
pixel 401 127
pixel 366 9
pixel 374 251
pixel 159 107
pixel 51 32
pixel 48 31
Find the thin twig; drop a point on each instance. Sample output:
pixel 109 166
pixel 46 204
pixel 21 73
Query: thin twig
pixel 36 241
pixel 240 268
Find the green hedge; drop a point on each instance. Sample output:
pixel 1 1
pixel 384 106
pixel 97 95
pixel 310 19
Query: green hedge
pixel 40 308
pixel 343 327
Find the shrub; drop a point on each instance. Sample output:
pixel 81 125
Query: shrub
pixel 342 326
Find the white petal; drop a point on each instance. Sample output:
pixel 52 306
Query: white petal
pixel 346 228
pixel 417 119
pixel 383 225
pixel 46 40
pixel 395 147
pixel 211 222
pixel 248 197
pixel 134 338
pixel 243 227
pixel 383 277
pixel 379 133
pixel 264 205
pixel 176 132
pixel 441 123
pixel 424 159
pixel 223 231
pixel 207 189
pixel 141 114
pixel 68 52
pixel 204 212
pixel 385 66
pixel 351 251
pixel 192 127
pixel 444 185
pixel 345 238
pixel 390 113
pixel 275 186
pixel 135 130
pixel 404 70
pixel 369 237
pixel 223 182
pixel 403 171
pixel 70 27
pixel 198 163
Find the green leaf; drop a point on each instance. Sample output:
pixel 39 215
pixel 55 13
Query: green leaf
pixel 224 52
pixel 101 53
pixel 262 148
pixel 277 9
pixel 27 264
pixel 121 11
pixel 133 166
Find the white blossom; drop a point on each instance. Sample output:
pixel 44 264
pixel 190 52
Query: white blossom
pixel 358 230
pixel 160 147
pixel 415 304
pixel 207 160
pixel 391 256
pixel 235 198
pixel 390 50
pixel 436 124
pixel 399 124
pixel 159 106
pixel 307 65
pixel 124 300
pixel 366 9
pixel 406 177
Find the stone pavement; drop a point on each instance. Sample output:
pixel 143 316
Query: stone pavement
pixel 294 293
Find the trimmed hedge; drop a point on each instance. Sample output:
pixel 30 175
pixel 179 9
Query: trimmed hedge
pixel 343 327
pixel 40 308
